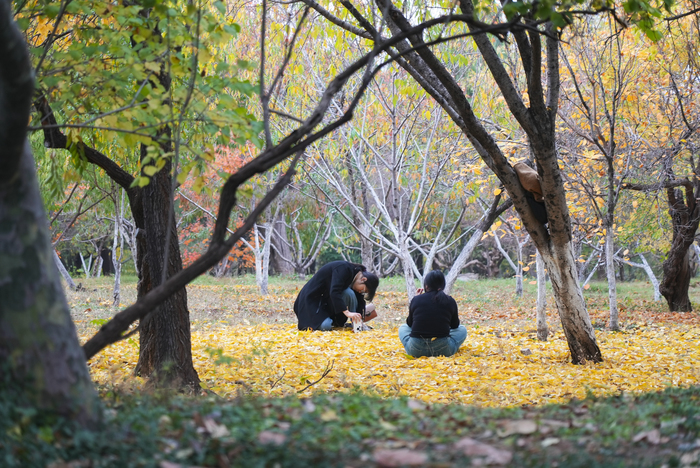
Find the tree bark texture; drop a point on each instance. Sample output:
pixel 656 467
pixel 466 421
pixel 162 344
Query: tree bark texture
pixel 542 328
pixel 38 341
pixel 280 239
pixel 64 272
pixel 610 273
pixel 40 355
pixel 164 338
pixel 685 215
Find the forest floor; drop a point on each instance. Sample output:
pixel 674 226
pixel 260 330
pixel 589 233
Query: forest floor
pixel 280 397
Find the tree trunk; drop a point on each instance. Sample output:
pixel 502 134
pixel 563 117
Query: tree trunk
pixel 610 272
pixel 571 306
pixel 117 259
pixel 38 343
pixel 263 235
pixel 542 329
pixel 407 265
pixel 64 272
pixel 519 270
pixel 165 341
pixel 281 243
pixel 40 357
pixel 677 266
pixel 652 277
pixel 685 216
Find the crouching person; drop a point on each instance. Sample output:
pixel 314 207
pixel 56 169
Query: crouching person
pixel 432 327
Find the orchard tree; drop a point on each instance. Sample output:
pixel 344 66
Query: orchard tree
pixel 143 95
pixel 668 123
pixel 603 71
pixel 538 46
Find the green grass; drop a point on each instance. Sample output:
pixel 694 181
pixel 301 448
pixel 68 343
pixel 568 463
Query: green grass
pixel 347 430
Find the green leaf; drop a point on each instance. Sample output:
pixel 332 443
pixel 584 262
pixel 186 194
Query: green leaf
pixel 23 23
pixel 150 170
pixel 140 181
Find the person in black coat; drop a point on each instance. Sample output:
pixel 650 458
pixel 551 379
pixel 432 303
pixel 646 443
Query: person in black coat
pixel 432 327
pixel 334 294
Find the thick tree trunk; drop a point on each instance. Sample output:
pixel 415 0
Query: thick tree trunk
pixel 280 239
pixel 40 357
pixel 676 280
pixel 575 321
pixel 165 341
pixel 685 216
pixel 38 343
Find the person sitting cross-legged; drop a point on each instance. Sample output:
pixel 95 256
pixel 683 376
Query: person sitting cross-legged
pixel 432 327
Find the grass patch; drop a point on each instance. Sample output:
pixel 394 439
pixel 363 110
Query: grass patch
pixel 355 430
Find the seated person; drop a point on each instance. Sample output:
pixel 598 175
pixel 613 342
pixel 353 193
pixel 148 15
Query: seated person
pixel 432 327
pixel 334 294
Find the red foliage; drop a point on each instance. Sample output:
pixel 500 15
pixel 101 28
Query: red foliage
pixel 195 232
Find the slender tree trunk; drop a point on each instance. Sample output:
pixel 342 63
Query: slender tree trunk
pixel 117 259
pixel 407 265
pixel 652 277
pixel 542 329
pixel 63 271
pixel 263 235
pixel 519 271
pixel 281 241
pixel 610 272
pixel 97 267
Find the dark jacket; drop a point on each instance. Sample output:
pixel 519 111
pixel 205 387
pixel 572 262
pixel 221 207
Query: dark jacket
pixel 430 319
pixel 322 296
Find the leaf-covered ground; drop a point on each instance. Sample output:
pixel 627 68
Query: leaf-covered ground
pixel 280 397
pixel 244 343
pixel 493 368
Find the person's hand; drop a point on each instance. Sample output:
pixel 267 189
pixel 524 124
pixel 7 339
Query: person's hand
pixel 353 316
pixel 419 291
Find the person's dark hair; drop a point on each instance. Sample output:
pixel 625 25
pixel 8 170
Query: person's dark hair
pixel 435 281
pixel 372 283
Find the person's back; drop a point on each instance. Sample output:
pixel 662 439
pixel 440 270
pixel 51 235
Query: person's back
pixel 432 318
pixel 432 327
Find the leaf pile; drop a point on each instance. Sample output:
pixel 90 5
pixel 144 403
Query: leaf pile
pixel 495 367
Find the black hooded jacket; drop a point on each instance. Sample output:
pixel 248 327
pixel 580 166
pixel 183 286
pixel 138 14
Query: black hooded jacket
pixel 322 296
